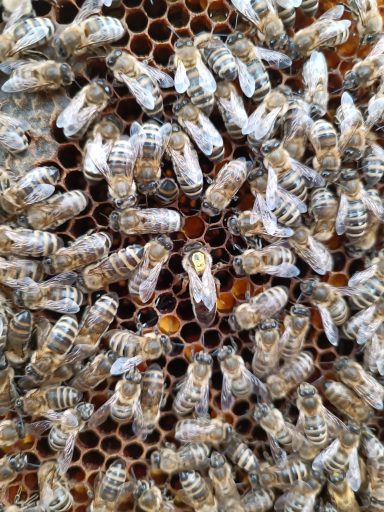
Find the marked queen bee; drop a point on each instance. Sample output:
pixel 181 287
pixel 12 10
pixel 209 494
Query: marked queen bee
pixel 197 262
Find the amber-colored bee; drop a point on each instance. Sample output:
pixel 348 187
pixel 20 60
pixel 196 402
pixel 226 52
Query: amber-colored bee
pixel 35 76
pixel 369 21
pixel 108 487
pixel 14 271
pixel 38 401
pixel 27 242
pixel 324 207
pixel 88 30
pixel 18 337
pixel 169 460
pixel 266 348
pixel 142 221
pixel 224 485
pixel 290 375
pixel 341 493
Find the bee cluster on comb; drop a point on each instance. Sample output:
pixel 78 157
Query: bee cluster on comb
pixel 191 257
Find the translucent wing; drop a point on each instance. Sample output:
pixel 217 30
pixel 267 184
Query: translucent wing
pixel 203 404
pixel 98 157
pixel 289 4
pixel 65 458
pixel 341 214
pixel 378 49
pixel 282 270
pixel 246 80
pixel 365 329
pixel 186 165
pixel 123 364
pixel 202 139
pixel 334 13
pixel 71 111
pixel 268 218
pixel 68 306
pixel 258 386
pixel 181 79
pixel 195 285
pixel 208 287
pixel 192 431
pixel 144 96
pixel 316 255
pixel 245 8
pixel 211 131
pixel 138 412
pixel 16 15
pixel 38 428
pixel 353 473
pixel 375 207
pixel 226 392
pixel 31 38
pixel 330 328
pixel 371 391
pixel 148 286
pixel 279 455
pixel 375 111
pixel 315 71
pixel 90 8
pixel 289 197
pixel 17 83
pixel 334 423
pixel 99 416
pixel 9 66
pixel 309 174
pixel 206 79
pixel 12 141
pixel 276 59
pixel 332 30
pixel 325 455
pixel 60 279
pixel 41 191
pixel 360 277
pixel 163 79
pixel 13 122
pixel 104 35
pixel 272 188
pixel 256 120
pixel 234 108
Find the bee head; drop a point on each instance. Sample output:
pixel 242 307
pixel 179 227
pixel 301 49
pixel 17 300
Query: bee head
pixel 155 459
pixel 113 57
pixel 185 42
pixel 165 241
pixel 225 352
pixel 299 310
pixel 166 343
pixel 261 410
pixel 85 410
pixel 308 286
pixel 18 462
pixel 210 210
pixel 216 460
pixel 233 38
pixel 238 265
pixel 203 358
pixel 269 146
pixel 66 73
pixel 114 221
pixel 233 225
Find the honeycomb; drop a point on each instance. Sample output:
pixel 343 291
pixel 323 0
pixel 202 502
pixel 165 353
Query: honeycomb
pixel 152 27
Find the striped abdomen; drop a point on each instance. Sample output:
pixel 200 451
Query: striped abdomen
pixel 293 181
pixel 287 15
pixel 103 24
pixel 201 99
pixel 339 311
pixel 356 221
pixel 241 455
pixel 62 397
pixel 197 490
pixel 125 343
pixel 112 481
pixel 27 242
pixel 370 292
pixel 279 255
pixel 372 167
pixel 24 27
pixel 221 61
pixel 57 439
pixel 186 400
pixel 153 90
pixel 261 77
pixel 152 389
pixel 98 318
pixel 19 331
pixel 315 429
pixel 62 335
pixel 286 212
pixel 309 7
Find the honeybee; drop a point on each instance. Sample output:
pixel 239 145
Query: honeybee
pixel 248 224
pixel 143 221
pixel 284 474
pixel 36 185
pixel 296 325
pixel 144 278
pixel 116 267
pixel 373 450
pixel 124 404
pixel 313 252
pixel 354 205
pixel 273 260
pixel 21 35
pixel 258 500
pixel 192 76
pixel 133 348
pixel 88 30
pixel 197 262
pixel 27 242
pixel 264 121
pixel 14 271
pixel 203 430
pixel 266 348
pixel 290 375
pixel 167 191
pixel 263 14
pixel 346 401
pixel 53 488
pixel 185 163
pixel 95 322
pixel 10 466
pixel 150 498
pixel 17 8
pixel 81 252
pixel 352 139
pixel 193 392
pixel 55 211
pixel 341 456
pixel 83 108
pixel 56 294
pixel 295 124
pixel 200 129
pixel 11 431
pixel 35 76
pixel 238 381
pixel 18 336
pixel 372 163
pixel 287 11
pixel 224 485
pixel 108 487
pixel 302 497
pixel 259 308
pixel 64 429
pixel 324 140
pixel 327 31
pixel 375 109
pixel 355 377
pixel 8 391
pixel 217 55
pixel 253 77
pixel 198 492
pixel 324 207
pixel 315 77
pixel 39 401
pixel 232 110
pixel 366 71
pixel 13 136
pixel 189 457
pixel 341 493
pixel 142 80
pixel 225 186
pixel 93 373
pixel 369 22
pixel 152 399
pixel 369 282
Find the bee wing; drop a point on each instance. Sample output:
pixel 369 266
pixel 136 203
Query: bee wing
pixel 316 255
pixel 187 165
pixel 201 138
pixel 60 279
pixel 17 83
pixel 234 108
pixel 309 174
pixel 246 80
pixel 186 432
pixel 9 66
pixel 68 306
pixel 104 36
pixel 102 413
pixel 12 141
pixel 71 111
pixel 375 208
pixel 377 349
pixel 41 191
pixel 353 473
pixel 268 218
pixel 289 197
pixel 275 59
pixel 16 15
pixel 210 130
pixel 325 455
pixel 13 122
pixel 31 38
pixel 206 79
pixel 366 331
pixel 202 405
pixel 181 78
pixel 24 244
pixel 208 287
pixel 335 13
pixel 226 393
pixel 123 364
pixel 289 4
pixel 98 157
pixel 78 353
pixel 255 119
pixel 39 427
pixel 375 111
pixel 371 391
pixel 89 8
pixel 138 412
pixel 341 215
pixel 360 277
pixel 283 232
pixel 282 270
pixel 272 188
pixel 332 30
pixel 144 96
pixel 315 71
pixel 65 458
pixel 267 124
pixel 278 454
pixel 258 386
pixel 163 79
pixel 195 285
pixel 365 327
pixel 245 8
pixel 334 423
pixel 330 328
pixel 148 286
pixel 378 49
